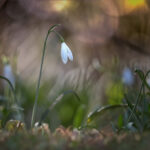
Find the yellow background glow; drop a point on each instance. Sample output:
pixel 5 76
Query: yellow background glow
pixel 133 4
pixel 61 5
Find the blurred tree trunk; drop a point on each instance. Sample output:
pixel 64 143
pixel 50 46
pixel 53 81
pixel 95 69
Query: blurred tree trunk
pixel 2 2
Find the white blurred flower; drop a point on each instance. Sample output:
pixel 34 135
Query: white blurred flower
pixel 96 64
pixel 66 53
pixel 127 76
pixel 148 80
pixel 7 72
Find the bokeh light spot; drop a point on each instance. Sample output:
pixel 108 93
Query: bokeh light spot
pixel 135 3
pixel 61 5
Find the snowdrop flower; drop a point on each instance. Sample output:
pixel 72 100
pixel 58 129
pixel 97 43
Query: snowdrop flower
pixel 66 53
pixel 8 74
pixel 127 77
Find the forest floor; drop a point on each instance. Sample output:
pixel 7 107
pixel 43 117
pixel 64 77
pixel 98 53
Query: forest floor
pixel 41 138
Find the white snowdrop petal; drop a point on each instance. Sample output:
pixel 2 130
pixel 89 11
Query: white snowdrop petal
pixel 66 53
pixel 69 52
pixel 70 56
pixel 64 56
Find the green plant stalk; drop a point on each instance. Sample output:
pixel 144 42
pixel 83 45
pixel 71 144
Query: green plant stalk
pixel 143 107
pixel 137 101
pixel 137 119
pixel 60 37
pixel 138 98
pixel 130 108
pixel 141 75
pixel 40 74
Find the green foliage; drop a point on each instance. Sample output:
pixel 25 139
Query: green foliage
pixel 70 108
pixel 9 108
pixel 79 116
pixel 136 108
pixel 115 93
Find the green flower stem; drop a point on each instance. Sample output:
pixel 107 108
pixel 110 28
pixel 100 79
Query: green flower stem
pixel 11 86
pixel 59 36
pixel 40 74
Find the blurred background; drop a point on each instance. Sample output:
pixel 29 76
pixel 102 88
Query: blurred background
pixel 108 38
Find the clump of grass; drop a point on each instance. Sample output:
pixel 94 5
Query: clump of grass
pixel 57 100
pixel 9 107
pixel 136 109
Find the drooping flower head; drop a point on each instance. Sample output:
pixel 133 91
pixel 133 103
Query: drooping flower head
pixel 66 53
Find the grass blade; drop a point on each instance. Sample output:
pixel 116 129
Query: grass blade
pixel 11 86
pixel 100 110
